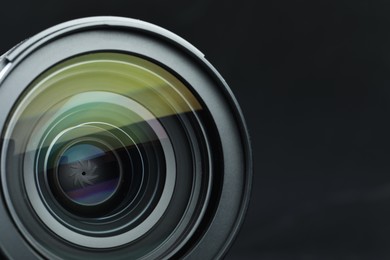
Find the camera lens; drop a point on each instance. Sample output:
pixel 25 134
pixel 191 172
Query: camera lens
pixel 119 140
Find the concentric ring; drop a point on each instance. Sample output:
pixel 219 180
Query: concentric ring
pixel 111 241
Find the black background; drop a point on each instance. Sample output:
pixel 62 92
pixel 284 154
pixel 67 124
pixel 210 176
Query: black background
pixel 313 81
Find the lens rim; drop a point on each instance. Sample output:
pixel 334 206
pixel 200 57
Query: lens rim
pixel 160 46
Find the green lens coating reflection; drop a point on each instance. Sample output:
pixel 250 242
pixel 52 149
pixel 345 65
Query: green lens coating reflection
pixel 129 76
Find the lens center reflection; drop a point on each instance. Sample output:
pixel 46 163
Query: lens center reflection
pixel 88 174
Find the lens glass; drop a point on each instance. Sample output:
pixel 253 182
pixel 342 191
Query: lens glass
pixel 111 154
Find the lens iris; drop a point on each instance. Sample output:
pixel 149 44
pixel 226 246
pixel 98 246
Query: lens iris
pixel 87 174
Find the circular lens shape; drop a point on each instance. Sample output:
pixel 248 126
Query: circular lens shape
pixel 119 141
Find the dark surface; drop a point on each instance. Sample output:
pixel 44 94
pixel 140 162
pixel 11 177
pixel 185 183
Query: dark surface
pixel 313 81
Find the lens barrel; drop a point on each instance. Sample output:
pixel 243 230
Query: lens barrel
pixel 118 140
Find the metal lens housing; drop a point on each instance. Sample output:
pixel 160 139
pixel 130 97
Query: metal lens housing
pixel 118 140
